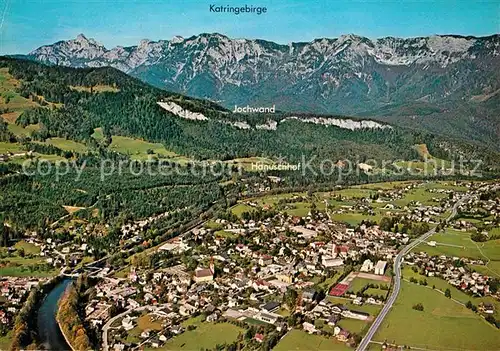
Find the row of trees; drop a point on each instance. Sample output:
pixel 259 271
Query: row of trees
pixel 68 316
pixel 24 333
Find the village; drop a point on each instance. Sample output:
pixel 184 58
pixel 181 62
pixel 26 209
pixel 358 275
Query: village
pixel 263 272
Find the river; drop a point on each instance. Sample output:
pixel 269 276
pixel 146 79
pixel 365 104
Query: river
pixel 48 331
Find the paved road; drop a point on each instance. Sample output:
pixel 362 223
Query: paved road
pixel 397 278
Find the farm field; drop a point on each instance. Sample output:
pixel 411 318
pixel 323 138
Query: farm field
pixel 5 341
pixel 299 340
pixel 98 134
pixel 138 149
pixel 300 209
pixel 21 263
pixel 272 200
pixel 65 144
pixel 354 326
pixel 421 195
pixel 22 131
pixel 10 147
pixel 458 244
pixel 443 325
pixel 25 268
pixel 205 336
pixel 225 234
pixel 354 218
pixel 8 97
pixel 238 209
pixel 442 285
pixel 383 185
pixel 359 283
pixel 144 322
pixel 27 247
pixel 353 193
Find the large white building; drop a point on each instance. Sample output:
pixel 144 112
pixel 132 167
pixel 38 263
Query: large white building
pixel 367 266
pixel 380 267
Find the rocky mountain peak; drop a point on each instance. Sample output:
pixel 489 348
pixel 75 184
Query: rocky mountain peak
pixel 346 75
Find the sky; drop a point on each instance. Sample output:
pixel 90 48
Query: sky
pixel 28 24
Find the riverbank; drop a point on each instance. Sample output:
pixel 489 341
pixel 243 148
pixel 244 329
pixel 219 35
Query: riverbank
pixel 64 335
pixel 68 319
pixel 23 335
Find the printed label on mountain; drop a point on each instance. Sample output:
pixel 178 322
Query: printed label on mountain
pixel 258 109
pixel 258 10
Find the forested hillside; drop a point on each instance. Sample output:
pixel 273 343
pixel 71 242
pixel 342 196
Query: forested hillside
pixel 74 102
pixel 85 116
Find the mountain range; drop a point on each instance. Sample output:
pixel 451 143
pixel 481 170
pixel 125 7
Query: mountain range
pixel 447 84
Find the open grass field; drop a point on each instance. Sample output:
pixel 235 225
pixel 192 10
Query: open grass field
pixel 421 195
pixel 448 185
pixel 354 325
pixel 22 131
pixel 98 134
pixel 15 265
pixel 193 321
pixel 10 147
pixel 122 273
pixel 36 156
pixel 327 284
pixel 423 151
pixel 205 336
pixel 100 88
pixel 21 270
pixel 147 321
pixel 494 231
pixel 353 193
pixel 138 149
pixel 213 225
pixel 240 208
pixel 11 117
pixel 65 144
pixel 5 341
pixel 456 243
pixel 272 200
pixel 358 283
pixel 300 209
pixel 354 218
pixel 9 98
pixel 73 209
pixel 299 340
pixel 144 322
pixel 382 185
pixel 27 247
pixel 224 234
pixel 428 164
pixel 443 325
pixel 459 295
pixel 419 167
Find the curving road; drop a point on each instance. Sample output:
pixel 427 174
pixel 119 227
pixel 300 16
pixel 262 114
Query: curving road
pixel 106 326
pixel 397 278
